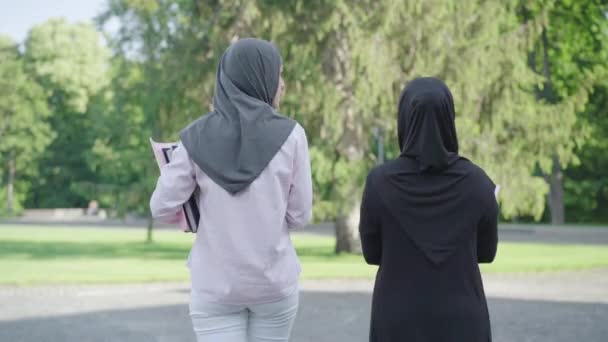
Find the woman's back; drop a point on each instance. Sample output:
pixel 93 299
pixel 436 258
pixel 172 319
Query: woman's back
pixel 427 218
pixel 429 287
pixel 457 218
pixel 243 253
pixel 251 166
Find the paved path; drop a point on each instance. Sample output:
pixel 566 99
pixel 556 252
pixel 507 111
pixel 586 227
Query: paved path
pixel 551 307
pixel 553 234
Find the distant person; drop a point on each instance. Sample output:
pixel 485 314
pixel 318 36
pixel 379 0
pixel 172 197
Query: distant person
pixel 252 166
pixel 427 219
pixel 93 208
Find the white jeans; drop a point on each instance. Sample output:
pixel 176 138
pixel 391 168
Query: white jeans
pixel 215 322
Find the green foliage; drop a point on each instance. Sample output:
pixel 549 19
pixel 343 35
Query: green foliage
pixel 24 131
pixel 526 76
pixel 586 184
pixel 70 62
pixel 364 54
pixel 120 156
pixel 570 55
pixel 482 58
pixel 345 63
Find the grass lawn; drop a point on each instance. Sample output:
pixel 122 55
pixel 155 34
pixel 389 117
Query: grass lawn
pixel 30 255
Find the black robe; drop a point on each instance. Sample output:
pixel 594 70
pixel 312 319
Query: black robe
pixel 428 232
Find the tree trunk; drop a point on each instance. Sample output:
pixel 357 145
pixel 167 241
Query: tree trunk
pixel 555 179
pixel 556 193
pixel 347 232
pixel 150 226
pixel 351 144
pixel 10 186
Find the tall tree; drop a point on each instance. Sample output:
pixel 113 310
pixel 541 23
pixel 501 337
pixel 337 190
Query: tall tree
pixel 345 63
pixel 70 62
pixel 24 130
pixel 570 54
pixel 120 156
pixel 173 46
pixel 367 54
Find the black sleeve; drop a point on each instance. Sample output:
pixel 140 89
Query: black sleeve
pixel 369 225
pixel 487 233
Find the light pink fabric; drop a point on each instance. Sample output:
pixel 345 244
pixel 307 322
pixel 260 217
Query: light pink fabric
pixel 242 253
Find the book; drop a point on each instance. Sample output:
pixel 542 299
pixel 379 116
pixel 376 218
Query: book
pixel 190 216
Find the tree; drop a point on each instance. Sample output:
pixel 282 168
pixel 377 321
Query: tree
pixel 481 48
pixel 120 156
pixel 345 64
pixel 167 35
pixel 367 54
pixel 570 55
pixel 586 184
pixel 170 49
pixel 70 62
pixel 24 130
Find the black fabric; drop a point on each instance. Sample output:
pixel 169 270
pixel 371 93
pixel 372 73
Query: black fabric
pixel 236 141
pixel 427 222
pixel 426 188
pixel 417 299
pixel 426 124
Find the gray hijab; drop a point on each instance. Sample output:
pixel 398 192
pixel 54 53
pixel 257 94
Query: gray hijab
pixel 235 142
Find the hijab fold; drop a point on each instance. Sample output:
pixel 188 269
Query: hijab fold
pixel 235 142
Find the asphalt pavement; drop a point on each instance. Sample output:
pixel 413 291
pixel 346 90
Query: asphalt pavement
pixel 551 307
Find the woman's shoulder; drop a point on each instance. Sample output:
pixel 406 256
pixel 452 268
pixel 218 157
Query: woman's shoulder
pixel 298 133
pixel 470 166
pixel 298 128
pixel 377 173
pixel 476 173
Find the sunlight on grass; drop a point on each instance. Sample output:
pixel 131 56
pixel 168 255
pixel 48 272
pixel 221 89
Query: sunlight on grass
pixel 31 255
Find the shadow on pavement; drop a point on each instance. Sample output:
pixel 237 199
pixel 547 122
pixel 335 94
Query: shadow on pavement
pixel 323 317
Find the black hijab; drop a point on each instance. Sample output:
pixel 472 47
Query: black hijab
pixel 236 141
pixel 426 124
pixel 435 196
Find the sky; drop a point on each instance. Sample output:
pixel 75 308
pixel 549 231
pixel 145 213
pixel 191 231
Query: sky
pixel 18 16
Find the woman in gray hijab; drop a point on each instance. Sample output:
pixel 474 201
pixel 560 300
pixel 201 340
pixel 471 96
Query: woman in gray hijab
pixel 252 169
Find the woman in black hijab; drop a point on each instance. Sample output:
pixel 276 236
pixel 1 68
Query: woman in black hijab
pixel 427 219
